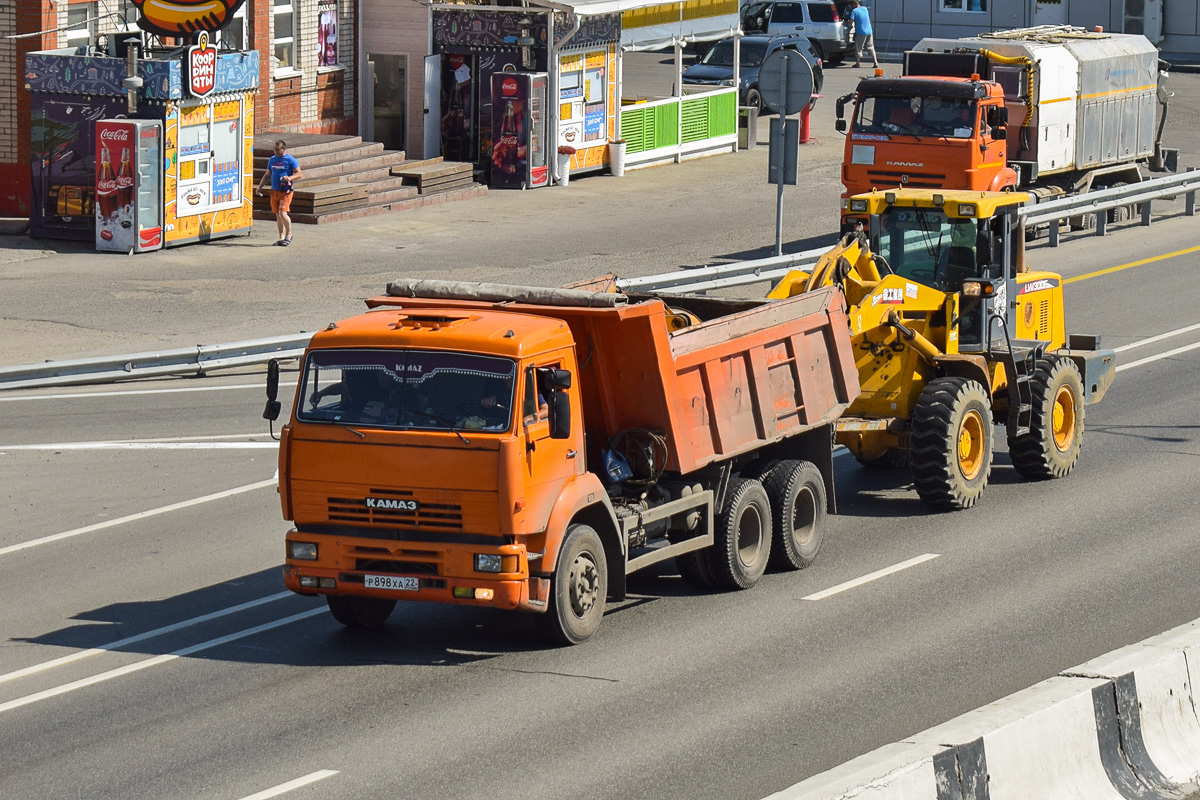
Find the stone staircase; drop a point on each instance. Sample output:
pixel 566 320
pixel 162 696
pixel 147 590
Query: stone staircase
pixel 346 178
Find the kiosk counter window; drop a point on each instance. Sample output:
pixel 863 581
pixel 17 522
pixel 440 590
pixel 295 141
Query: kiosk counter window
pixel 210 156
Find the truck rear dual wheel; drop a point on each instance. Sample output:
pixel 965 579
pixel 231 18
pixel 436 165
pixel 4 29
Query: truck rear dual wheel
pixel 578 589
pixel 742 539
pixel 798 506
pixel 360 612
pixel 1055 437
pixel 952 443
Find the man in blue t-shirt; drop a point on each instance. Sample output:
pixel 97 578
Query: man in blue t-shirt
pixel 864 37
pixel 284 170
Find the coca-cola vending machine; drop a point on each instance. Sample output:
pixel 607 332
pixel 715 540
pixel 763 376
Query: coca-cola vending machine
pixel 520 158
pixel 129 178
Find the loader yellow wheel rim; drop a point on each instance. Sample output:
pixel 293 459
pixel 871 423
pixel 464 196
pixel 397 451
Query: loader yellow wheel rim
pixel 970 445
pixel 1064 418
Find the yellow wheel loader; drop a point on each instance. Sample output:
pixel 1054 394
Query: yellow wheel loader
pixel 954 335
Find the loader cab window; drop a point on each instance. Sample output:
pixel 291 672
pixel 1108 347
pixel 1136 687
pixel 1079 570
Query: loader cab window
pixel 926 246
pixel 408 389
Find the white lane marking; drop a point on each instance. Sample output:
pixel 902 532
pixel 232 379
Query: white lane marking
pixel 1158 357
pixel 127 392
pixel 80 446
pixel 105 648
pixel 282 788
pixel 140 515
pixel 155 661
pixel 874 576
pixel 1157 338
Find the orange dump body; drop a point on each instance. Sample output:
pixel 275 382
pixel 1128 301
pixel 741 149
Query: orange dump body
pixel 422 506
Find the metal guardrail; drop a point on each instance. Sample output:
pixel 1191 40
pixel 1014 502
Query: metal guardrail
pixel 203 358
pixel 1054 211
pixel 182 361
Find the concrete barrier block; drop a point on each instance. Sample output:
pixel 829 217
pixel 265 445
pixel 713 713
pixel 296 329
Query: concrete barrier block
pixel 900 771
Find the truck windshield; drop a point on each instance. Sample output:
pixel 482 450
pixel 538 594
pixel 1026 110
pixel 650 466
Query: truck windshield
pixel 926 246
pixel 409 389
pixel 916 115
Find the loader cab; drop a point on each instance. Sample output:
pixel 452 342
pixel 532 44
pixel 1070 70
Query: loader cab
pixel 966 244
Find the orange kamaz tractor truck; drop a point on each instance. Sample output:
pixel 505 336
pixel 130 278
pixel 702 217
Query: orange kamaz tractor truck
pixel 527 449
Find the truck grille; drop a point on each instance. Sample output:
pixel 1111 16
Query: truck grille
pixel 916 180
pixel 388 566
pixel 429 516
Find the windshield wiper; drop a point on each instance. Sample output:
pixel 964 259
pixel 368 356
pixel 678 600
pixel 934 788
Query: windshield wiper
pixel 442 420
pixel 359 434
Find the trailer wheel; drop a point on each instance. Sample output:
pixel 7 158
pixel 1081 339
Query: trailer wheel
pixel 951 443
pixel 1055 437
pixel 360 612
pixel 797 494
pixel 1122 213
pixel 578 589
pixel 742 546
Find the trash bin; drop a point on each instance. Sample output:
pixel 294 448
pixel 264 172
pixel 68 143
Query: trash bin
pixel 747 127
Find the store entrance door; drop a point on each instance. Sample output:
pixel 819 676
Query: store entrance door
pixel 390 99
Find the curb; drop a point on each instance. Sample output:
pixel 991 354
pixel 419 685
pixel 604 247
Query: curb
pixel 1123 726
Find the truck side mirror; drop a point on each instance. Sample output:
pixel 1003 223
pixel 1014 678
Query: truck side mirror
pixel 840 125
pixel 271 412
pixel 560 413
pixel 997 116
pixel 560 379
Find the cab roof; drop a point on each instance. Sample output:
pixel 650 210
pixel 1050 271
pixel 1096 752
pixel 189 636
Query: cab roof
pixel 952 202
pixel 501 333
pixel 906 86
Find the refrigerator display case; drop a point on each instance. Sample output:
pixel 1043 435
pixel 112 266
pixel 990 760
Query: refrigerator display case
pixel 129 179
pixel 520 154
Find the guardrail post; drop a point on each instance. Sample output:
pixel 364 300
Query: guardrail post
pixel 1146 213
pixel 1102 223
pixel 1189 203
pixel 1054 233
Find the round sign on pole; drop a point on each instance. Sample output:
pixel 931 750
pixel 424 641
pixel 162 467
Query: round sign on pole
pixel 792 95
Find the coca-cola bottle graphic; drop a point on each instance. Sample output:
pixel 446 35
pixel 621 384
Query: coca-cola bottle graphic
pixel 106 186
pixel 124 182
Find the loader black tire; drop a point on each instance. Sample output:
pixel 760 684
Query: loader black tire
pixel 742 538
pixel 1055 437
pixel 578 589
pixel 798 507
pixel 360 612
pixel 952 437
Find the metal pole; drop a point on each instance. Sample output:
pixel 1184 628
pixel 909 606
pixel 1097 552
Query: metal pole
pixel 777 147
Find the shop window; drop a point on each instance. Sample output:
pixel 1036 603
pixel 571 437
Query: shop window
pixel 327 33
pixel 210 155
pixel 284 41
pixel 233 35
pixel 964 5
pixel 81 25
pixel 583 99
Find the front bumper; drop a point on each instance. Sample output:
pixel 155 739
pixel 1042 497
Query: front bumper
pixel 437 570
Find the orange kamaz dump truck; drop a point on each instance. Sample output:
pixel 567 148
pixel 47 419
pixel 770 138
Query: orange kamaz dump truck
pixel 527 448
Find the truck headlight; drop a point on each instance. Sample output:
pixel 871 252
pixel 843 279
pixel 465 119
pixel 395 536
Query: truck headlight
pixel 302 551
pixel 966 209
pixel 487 562
pixel 858 205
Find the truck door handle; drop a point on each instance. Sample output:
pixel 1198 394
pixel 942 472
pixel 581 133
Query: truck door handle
pixel 571 454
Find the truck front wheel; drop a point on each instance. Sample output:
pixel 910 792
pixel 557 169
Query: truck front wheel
pixel 578 589
pixel 1055 437
pixel 360 612
pixel 742 539
pixel 797 494
pixel 952 443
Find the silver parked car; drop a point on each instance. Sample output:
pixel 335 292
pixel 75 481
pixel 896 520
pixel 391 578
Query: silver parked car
pixel 817 20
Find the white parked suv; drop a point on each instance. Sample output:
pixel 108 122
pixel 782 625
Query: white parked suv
pixel 817 20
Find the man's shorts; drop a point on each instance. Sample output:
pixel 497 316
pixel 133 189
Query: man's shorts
pixel 281 201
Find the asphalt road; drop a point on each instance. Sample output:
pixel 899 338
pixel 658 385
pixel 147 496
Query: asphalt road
pixel 220 686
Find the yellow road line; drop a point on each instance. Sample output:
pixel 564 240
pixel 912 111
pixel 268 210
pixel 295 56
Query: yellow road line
pixel 1150 260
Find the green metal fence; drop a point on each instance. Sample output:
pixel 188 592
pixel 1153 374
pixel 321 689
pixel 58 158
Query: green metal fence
pixel 661 124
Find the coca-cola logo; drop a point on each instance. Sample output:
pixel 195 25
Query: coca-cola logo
pixel 107 186
pixel 202 67
pixel 114 134
pixel 508 86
